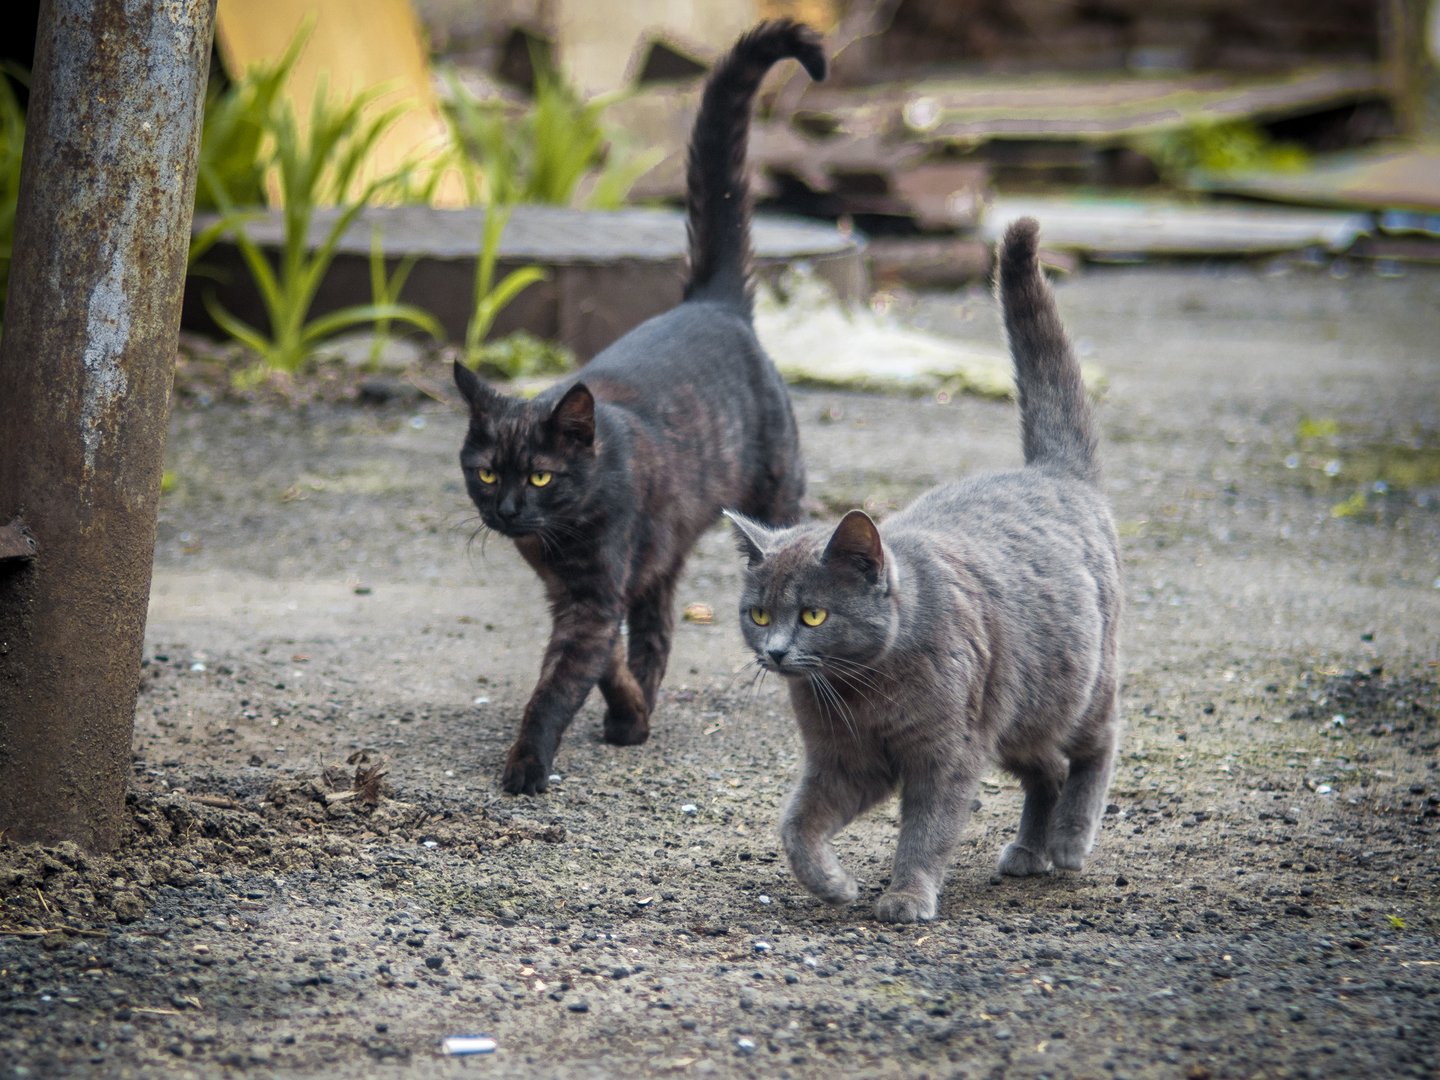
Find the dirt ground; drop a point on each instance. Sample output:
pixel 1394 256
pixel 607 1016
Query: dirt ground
pixel 324 880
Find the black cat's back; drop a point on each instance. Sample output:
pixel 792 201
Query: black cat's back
pixel 695 379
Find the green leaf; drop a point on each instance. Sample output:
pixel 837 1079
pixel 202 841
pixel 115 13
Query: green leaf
pixel 331 324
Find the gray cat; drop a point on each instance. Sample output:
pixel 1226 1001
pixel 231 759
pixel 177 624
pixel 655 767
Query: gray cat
pixel 978 625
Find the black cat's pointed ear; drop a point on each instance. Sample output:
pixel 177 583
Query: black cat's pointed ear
pixel 574 415
pixel 472 387
pixel 856 543
pixel 750 536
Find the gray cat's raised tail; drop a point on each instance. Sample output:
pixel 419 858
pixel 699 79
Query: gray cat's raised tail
pixel 1056 428
pixel 719 194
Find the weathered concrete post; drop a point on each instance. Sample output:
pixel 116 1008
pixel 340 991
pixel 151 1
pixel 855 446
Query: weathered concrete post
pixel 86 364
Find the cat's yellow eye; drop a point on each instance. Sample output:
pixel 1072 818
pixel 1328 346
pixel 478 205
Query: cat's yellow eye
pixel 487 476
pixel 759 616
pixel 814 616
pixel 540 477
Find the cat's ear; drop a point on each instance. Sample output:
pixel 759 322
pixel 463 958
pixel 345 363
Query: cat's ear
pixel 750 536
pixel 856 543
pixel 573 418
pixel 472 387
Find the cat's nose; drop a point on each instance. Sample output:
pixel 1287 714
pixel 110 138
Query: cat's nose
pixel 777 654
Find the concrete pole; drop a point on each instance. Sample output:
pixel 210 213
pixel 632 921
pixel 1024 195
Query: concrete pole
pixel 86 364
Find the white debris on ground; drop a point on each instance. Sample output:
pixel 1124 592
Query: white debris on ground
pixel 816 340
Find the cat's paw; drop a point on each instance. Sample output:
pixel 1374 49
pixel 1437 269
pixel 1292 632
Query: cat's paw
pixel 1069 852
pixel 626 728
pixel 526 773
pixel 1018 861
pixel 836 889
pixel 905 907
pixel 833 886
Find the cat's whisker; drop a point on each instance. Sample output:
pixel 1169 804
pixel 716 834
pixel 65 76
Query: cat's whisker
pixel 756 682
pixel 484 532
pixel 856 676
pixel 829 698
pixel 844 706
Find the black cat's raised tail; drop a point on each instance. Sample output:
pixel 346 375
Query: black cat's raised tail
pixel 719 194
pixel 1055 422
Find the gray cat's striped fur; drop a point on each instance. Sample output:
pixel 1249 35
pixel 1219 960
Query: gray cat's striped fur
pixel 977 626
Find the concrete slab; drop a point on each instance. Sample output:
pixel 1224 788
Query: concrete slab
pixel 608 270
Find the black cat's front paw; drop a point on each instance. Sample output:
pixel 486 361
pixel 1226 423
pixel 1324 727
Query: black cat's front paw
pixel 526 772
pixel 626 728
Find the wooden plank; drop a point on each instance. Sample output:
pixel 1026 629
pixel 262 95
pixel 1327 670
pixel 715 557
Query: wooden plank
pixel 1145 227
pixel 1384 178
pixel 1086 106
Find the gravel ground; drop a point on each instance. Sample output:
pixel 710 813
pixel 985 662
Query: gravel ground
pixel 324 880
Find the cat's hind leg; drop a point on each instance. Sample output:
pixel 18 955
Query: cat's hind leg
pixel 637 670
pixel 627 716
pixel 1082 800
pixel 1029 853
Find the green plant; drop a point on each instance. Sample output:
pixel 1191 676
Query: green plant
pixel 546 153
pixel 238 120
pixel 1220 147
pixel 12 145
pixel 385 292
pixel 489 298
pixel 322 166
pixel 522 355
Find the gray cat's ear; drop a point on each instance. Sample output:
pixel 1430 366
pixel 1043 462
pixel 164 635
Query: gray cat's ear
pixel 574 415
pixel 472 387
pixel 750 536
pixel 856 543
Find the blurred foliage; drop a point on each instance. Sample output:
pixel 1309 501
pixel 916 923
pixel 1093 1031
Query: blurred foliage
pixel 12 145
pixel 385 291
pixel 555 150
pixel 522 355
pixel 1222 147
pixel 322 166
pixel 238 120
pixel 1332 459
pixel 490 297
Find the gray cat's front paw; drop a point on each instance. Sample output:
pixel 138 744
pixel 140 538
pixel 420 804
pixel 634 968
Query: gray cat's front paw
pixel 1069 851
pixel 1017 861
pixel 905 907
pixel 835 889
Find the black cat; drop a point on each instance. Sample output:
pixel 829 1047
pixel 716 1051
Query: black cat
pixel 606 480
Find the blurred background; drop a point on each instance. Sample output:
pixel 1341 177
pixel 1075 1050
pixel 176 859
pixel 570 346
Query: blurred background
pixel 1135 129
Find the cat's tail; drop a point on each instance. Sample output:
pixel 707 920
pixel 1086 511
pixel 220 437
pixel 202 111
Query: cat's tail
pixel 1055 422
pixel 718 193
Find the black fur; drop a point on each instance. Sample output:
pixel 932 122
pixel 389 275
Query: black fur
pixel 683 416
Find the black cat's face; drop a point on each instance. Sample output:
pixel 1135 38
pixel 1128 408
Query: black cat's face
pixel 812 603
pixel 528 467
